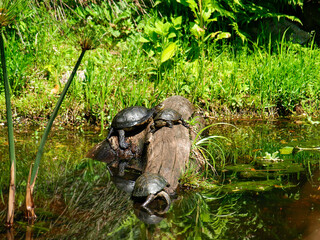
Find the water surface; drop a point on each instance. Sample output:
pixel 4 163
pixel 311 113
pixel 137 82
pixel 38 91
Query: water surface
pixel 257 199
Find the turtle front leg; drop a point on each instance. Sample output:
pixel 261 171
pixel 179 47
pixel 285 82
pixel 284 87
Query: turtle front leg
pixel 184 123
pixel 122 141
pixel 153 128
pixel 166 196
pixel 169 124
pixel 150 198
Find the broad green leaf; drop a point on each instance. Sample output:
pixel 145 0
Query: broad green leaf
pixel 115 33
pixel 286 150
pixel 177 22
pixel 223 35
pixel 168 52
pixel 162 28
pixel 196 30
pixel 191 4
pixel 156 3
pixel 143 40
pixel 172 35
pixel 206 14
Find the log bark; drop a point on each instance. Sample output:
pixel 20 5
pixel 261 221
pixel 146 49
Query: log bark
pixel 169 149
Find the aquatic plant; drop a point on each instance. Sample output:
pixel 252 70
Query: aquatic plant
pixel 211 146
pixel 8 11
pixel 87 41
pixel 11 200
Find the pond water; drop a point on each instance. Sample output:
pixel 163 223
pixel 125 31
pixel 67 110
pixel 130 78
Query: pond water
pixel 257 194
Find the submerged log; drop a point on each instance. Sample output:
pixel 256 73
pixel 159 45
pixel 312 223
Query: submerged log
pixel 166 151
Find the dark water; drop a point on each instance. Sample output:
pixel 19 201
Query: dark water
pixel 256 199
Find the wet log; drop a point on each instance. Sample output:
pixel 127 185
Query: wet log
pixel 166 151
pixel 109 151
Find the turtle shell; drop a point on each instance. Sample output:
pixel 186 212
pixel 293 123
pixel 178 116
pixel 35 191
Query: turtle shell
pixel 168 114
pixel 123 184
pixel 132 116
pixel 149 183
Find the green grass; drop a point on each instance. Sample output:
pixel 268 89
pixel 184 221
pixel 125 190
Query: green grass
pixel 230 79
pixel 254 81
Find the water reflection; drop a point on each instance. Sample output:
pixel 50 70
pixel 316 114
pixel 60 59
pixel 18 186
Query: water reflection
pixel 148 215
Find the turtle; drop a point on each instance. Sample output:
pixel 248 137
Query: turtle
pixel 167 117
pixel 151 185
pixel 130 118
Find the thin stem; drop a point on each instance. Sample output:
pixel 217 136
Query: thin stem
pixel 12 156
pixel 53 116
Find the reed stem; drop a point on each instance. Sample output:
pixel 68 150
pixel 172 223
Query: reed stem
pixel 11 201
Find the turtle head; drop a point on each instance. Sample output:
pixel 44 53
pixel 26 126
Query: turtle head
pixel 158 108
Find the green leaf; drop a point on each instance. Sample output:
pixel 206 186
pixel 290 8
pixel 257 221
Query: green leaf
pixel 177 22
pixel 223 35
pixel 162 28
pixel 196 30
pixel 286 150
pixel 191 4
pixel 168 52
pixel 143 40
pixel 156 3
pixel 172 35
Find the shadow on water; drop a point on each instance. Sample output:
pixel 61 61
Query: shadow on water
pixel 262 194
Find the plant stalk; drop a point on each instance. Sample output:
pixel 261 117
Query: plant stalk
pixel 30 208
pixel 12 188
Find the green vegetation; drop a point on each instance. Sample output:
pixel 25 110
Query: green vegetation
pixel 203 50
pixel 150 53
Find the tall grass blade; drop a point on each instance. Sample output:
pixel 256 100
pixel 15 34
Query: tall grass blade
pixel 8 11
pixel 10 216
pixel 30 207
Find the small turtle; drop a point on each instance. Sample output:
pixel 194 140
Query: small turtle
pixel 167 117
pixel 130 118
pixel 151 185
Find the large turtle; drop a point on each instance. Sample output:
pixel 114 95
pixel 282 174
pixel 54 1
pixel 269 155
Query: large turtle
pixel 151 185
pixel 167 117
pixel 130 118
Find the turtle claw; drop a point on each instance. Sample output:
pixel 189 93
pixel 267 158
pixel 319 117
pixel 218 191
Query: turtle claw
pixel 110 133
pixel 184 123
